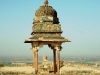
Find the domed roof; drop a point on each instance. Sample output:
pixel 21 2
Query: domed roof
pixel 46 10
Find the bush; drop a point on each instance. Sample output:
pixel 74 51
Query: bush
pixel 1 65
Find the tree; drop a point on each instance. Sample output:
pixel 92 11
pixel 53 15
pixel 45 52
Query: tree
pixel 1 65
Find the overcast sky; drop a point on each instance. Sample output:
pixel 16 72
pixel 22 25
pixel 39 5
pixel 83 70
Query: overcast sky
pixel 79 19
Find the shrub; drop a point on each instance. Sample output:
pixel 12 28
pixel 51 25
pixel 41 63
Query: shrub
pixel 1 65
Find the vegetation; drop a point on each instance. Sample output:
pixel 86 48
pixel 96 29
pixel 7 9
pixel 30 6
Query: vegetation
pixel 1 65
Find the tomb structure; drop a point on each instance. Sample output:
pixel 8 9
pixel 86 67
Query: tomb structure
pixel 45 65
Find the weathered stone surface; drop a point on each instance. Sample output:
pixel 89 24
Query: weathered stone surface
pixel 46 11
pixel 47 30
pixel 46 27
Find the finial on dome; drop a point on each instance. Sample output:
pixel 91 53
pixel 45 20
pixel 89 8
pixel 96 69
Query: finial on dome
pixel 46 2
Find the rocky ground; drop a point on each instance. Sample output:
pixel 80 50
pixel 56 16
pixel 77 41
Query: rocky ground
pixel 79 71
pixel 65 70
pixel 17 70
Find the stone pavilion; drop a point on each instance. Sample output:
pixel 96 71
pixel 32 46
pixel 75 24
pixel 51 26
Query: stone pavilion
pixel 46 31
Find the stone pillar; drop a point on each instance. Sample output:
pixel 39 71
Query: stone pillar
pixel 35 50
pixel 34 59
pixel 36 66
pixel 58 59
pixel 54 57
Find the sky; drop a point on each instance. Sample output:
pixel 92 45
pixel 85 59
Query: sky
pixel 79 19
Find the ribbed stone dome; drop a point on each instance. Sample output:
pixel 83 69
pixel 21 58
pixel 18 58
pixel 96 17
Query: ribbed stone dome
pixel 46 11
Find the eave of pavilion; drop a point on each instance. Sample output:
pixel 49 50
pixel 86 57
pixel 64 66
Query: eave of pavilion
pixel 46 40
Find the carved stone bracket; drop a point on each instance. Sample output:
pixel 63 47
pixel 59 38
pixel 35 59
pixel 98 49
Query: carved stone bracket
pixel 58 48
pixel 36 46
pixel 55 46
